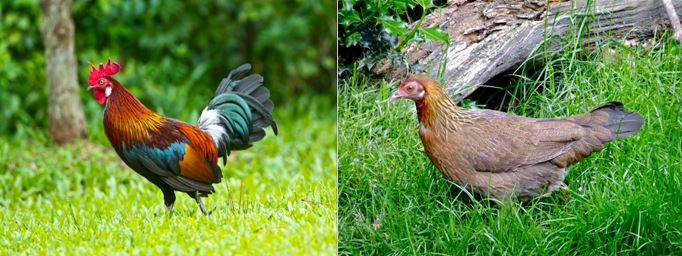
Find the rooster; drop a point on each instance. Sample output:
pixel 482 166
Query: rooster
pixel 501 155
pixel 174 155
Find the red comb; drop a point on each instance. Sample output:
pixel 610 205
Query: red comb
pixel 110 69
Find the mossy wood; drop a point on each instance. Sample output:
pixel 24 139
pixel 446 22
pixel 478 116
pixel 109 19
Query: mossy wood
pixel 489 38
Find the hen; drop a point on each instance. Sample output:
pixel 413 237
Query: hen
pixel 174 155
pixel 500 155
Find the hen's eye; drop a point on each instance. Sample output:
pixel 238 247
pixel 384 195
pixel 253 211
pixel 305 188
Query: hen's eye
pixel 101 81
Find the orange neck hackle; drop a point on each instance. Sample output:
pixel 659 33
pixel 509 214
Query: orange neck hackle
pixel 126 119
pixel 436 110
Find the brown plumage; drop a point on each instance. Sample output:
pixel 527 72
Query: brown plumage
pixel 501 155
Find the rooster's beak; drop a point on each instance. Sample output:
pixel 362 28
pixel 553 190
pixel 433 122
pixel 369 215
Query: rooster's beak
pixel 396 95
pixel 90 87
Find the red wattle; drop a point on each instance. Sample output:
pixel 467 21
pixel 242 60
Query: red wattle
pixel 100 96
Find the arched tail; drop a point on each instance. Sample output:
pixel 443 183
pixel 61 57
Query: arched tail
pixel 239 112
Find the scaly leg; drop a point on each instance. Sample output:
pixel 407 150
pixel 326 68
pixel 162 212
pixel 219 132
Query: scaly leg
pixel 201 204
pixel 168 198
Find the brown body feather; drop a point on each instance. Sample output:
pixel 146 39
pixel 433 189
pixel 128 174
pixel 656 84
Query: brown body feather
pixel 503 155
pixel 128 123
pixel 174 155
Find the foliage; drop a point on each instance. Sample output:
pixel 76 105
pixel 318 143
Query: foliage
pixel 174 53
pixel 275 198
pixel 392 200
pixel 81 199
pixel 370 30
pixel 22 77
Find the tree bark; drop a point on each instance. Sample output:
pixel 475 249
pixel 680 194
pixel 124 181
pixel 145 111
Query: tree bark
pixel 674 20
pixel 67 123
pixel 490 38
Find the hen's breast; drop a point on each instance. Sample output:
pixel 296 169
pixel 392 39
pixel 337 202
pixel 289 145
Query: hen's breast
pixel 443 151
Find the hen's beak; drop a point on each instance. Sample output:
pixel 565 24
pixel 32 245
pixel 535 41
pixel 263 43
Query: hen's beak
pixel 90 87
pixel 396 95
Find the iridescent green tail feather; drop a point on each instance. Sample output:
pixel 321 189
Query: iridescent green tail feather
pixel 239 112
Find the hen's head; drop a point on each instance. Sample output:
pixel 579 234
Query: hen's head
pixel 413 87
pixel 100 80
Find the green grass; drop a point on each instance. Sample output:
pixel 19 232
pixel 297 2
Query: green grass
pixel 624 199
pixel 278 197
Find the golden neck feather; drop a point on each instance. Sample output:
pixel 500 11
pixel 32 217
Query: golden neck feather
pixel 126 119
pixel 436 110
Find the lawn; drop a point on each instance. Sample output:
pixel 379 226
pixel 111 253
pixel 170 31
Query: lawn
pixel 278 197
pixel 623 200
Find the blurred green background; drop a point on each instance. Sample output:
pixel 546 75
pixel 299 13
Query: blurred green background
pixel 276 197
pixel 173 54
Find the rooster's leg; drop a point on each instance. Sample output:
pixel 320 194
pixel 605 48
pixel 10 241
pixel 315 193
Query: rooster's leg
pixel 168 198
pixel 201 204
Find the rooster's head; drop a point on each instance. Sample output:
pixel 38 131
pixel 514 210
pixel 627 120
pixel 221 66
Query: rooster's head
pixel 100 81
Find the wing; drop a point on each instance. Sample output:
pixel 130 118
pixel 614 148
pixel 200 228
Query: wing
pixel 499 142
pixel 179 154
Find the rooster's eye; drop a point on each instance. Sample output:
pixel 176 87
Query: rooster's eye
pixel 101 81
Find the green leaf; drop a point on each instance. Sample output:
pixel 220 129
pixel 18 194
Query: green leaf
pixel 346 18
pixel 394 27
pixel 425 3
pixel 348 4
pixel 435 33
pixel 353 39
pixel 400 6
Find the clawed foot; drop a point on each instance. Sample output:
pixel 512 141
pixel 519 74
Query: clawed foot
pixel 169 208
pixel 207 213
pixel 201 205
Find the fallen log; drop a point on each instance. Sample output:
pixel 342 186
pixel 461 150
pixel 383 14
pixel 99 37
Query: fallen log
pixel 490 38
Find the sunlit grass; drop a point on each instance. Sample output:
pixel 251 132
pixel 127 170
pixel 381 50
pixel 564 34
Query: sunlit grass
pixel 624 199
pixel 278 197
